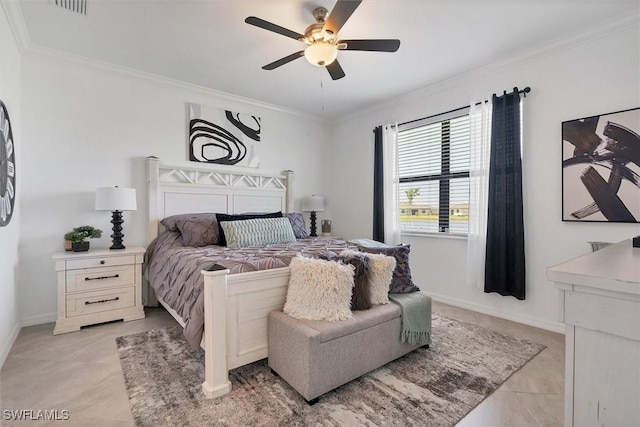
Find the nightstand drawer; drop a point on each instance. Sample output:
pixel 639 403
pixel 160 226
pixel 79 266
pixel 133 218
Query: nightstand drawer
pixel 95 302
pixel 97 278
pixel 106 261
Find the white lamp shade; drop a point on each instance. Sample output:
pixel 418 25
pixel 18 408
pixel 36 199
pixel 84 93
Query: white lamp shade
pixel 321 54
pixel 312 204
pixel 116 199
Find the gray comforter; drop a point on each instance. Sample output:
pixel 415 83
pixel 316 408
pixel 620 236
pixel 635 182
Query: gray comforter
pixel 173 270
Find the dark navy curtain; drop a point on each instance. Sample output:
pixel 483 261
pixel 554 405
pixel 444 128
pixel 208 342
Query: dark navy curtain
pixel 505 260
pixel 378 186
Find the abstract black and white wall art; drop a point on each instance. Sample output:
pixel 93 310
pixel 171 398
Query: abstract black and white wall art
pixel 601 168
pixel 223 137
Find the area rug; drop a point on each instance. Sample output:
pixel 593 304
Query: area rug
pixel 434 386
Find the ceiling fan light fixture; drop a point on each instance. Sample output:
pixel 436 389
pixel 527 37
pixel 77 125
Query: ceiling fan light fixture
pixel 321 54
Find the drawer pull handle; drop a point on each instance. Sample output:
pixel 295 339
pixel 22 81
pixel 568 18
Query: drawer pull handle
pixel 102 300
pixel 115 276
pixel 102 262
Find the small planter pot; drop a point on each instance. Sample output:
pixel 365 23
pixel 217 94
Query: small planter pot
pixel 80 247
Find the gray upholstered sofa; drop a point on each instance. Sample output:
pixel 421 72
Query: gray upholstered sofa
pixel 316 356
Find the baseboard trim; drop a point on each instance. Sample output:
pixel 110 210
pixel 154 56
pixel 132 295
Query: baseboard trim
pixel 6 348
pixel 39 319
pixel 557 327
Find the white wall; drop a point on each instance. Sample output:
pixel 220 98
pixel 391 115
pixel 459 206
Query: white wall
pixel 86 127
pixel 585 78
pixel 89 127
pixel 9 236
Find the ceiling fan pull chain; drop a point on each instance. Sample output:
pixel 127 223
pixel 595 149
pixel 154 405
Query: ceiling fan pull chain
pixel 321 94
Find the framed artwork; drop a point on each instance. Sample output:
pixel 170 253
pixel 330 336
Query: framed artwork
pixel 601 168
pixel 7 168
pixel 223 137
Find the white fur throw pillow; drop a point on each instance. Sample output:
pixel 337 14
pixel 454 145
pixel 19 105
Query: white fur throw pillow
pixel 381 270
pixel 319 290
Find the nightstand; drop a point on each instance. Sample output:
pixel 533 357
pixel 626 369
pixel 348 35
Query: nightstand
pixel 98 286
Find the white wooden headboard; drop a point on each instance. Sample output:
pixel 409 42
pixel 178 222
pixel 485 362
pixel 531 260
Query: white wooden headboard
pixel 174 190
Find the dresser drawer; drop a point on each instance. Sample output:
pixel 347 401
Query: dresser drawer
pixel 95 302
pixel 73 264
pixel 97 278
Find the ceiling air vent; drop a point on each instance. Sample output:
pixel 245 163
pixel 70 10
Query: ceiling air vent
pixel 77 6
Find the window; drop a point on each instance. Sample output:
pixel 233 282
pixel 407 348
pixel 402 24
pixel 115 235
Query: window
pixel 433 167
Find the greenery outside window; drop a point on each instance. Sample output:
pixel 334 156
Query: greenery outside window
pixel 433 167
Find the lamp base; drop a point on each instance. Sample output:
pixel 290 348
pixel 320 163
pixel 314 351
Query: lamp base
pixel 313 224
pixel 116 237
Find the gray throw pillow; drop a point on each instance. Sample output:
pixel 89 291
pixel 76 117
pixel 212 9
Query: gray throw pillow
pixel 298 225
pixel 401 283
pixel 196 229
pixel 361 295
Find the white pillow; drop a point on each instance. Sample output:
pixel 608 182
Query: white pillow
pixel 319 290
pixel 381 269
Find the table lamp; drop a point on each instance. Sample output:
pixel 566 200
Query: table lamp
pixel 313 204
pixel 116 199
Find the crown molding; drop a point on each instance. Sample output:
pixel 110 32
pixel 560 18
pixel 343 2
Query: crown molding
pixel 608 27
pixel 16 24
pixel 113 69
pixel 28 48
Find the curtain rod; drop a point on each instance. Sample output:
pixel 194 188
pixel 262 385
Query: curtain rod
pixel 525 91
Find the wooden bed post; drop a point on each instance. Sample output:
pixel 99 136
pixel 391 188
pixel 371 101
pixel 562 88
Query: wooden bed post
pixel 216 377
pixel 153 169
pixel 289 191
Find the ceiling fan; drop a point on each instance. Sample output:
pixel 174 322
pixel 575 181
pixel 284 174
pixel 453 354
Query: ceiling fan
pixel 322 40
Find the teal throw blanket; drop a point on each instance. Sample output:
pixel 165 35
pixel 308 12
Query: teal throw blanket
pixel 416 317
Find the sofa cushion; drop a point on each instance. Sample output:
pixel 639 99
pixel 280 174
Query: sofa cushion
pixel 363 319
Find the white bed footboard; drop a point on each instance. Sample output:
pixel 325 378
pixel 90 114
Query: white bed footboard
pixel 236 309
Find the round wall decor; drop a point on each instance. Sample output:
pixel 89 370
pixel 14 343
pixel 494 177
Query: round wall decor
pixel 7 168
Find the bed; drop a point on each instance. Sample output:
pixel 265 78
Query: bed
pixel 236 306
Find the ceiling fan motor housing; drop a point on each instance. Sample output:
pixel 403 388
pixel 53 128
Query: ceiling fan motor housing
pixel 320 14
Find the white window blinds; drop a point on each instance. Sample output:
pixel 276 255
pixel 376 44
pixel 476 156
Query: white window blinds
pixel 433 163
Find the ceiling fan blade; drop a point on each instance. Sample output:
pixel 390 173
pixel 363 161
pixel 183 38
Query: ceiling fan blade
pixel 261 23
pixel 372 45
pixel 339 15
pixel 283 61
pixel 335 70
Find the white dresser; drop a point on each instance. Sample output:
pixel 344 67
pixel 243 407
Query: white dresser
pixel 600 305
pixel 98 286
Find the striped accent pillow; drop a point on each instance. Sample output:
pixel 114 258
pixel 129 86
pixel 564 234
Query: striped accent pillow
pixel 257 232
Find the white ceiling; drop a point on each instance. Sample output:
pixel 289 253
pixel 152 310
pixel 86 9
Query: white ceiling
pixel 207 43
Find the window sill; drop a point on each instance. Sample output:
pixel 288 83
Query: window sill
pixel 434 235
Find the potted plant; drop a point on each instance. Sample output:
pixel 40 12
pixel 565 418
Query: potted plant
pixel 78 237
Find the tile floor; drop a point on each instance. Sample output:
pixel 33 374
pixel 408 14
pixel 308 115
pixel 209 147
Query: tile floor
pixel 80 372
